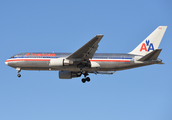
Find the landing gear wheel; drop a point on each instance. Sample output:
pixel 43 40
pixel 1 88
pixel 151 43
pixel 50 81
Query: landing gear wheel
pixel 83 80
pixel 19 75
pixel 88 79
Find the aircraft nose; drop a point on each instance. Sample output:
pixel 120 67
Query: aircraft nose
pixel 6 62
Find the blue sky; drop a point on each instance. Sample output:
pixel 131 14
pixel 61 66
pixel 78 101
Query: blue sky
pixel 64 26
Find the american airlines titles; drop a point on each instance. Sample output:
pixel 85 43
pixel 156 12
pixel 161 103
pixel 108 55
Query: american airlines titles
pixel 41 54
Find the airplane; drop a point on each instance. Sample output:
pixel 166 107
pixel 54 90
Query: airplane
pixel 85 60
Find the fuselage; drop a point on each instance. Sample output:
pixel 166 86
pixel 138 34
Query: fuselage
pixel 106 62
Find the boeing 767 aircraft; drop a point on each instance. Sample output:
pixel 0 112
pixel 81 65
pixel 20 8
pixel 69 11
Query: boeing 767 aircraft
pixel 85 60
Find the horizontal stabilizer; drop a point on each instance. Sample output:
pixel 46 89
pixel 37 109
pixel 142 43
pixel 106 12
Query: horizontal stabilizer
pixel 151 56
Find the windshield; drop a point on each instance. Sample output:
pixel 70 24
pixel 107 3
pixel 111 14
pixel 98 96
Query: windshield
pixel 12 57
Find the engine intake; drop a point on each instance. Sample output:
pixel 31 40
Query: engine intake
pixel 95 65
pixel 57 62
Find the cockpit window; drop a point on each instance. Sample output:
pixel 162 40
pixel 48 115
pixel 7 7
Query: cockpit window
pixel 12 57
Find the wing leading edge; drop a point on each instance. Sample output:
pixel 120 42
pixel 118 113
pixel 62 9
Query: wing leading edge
pixel 86 51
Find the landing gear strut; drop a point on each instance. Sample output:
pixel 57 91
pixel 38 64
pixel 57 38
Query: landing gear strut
pixel 18 71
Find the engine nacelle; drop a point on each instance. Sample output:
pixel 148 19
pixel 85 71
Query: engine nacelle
pixel 67 75
pixel 94 65
pixel 58 62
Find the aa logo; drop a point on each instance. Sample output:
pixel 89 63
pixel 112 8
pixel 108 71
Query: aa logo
pixel 147 45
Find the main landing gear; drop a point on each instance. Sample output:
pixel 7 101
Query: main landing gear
pixel 84 73
pixel 18 71
pixel 86 78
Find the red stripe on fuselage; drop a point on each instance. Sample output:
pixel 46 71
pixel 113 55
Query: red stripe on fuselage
pixel 11 60
pixel 93 60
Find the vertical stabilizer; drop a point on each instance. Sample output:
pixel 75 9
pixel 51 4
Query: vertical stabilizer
pixel 151 43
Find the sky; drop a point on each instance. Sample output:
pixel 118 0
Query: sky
pixel 143 93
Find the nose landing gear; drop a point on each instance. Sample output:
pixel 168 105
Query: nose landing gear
pixel 18 71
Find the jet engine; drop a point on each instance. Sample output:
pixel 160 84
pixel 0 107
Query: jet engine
pixel 58 62
pixel 94 65
pixel 67 75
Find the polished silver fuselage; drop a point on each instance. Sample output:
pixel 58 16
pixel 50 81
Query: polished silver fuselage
pixel 107 62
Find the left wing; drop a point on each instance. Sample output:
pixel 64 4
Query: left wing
pixel 87 51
